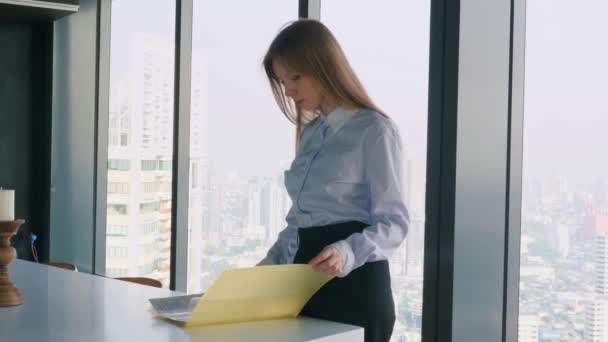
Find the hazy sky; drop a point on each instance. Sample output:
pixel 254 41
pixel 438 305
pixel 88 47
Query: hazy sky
pixel 246 129
pixel 566 118
pixel 565 114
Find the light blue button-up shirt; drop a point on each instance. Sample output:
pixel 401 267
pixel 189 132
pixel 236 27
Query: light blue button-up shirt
pixel 348 168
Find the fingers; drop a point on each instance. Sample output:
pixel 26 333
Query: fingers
pixel 330 266
pixel 328 261
pixel 324 255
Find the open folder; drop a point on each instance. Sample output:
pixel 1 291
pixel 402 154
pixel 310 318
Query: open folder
pixel 246 294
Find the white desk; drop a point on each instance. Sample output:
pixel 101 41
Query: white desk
pixel 67 306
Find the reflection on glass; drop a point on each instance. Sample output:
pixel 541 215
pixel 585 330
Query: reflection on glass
pixel 140 136
pixel 564 231
pixel 388 48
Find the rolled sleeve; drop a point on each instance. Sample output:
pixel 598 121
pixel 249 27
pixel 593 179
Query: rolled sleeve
pixel 388 214
pixel 348 257
pixel 284 249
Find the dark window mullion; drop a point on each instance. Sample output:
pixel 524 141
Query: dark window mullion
pixel 181 146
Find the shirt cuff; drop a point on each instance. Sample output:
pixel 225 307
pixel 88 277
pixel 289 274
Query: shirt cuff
pixel 348 256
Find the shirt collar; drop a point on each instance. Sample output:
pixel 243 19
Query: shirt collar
pixel 338 117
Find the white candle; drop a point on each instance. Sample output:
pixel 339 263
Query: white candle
pixel 7 205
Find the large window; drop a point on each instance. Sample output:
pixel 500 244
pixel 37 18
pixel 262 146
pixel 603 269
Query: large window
pixel 564 237
pixel 240 142
pixel 140 136
pixel 388 48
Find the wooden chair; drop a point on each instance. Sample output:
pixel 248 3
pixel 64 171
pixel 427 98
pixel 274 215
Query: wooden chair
pixel 64 265
pixel 142 281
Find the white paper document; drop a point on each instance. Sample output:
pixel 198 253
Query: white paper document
pixel 177 308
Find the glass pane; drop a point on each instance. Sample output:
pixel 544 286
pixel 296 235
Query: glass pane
pixel 387 43
pixel 240 141
pixel 140 151
pixel 564 237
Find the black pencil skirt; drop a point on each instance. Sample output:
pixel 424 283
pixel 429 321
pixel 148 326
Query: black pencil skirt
pixel 363 298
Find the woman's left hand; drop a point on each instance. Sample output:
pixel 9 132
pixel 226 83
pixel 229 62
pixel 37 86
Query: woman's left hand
pixel 329 261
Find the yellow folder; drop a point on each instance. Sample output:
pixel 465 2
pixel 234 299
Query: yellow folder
pixel 257 293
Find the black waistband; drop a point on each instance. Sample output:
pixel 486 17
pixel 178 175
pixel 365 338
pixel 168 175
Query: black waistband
pixel 312 240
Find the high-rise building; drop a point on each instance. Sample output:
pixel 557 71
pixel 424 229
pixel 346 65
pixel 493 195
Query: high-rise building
pixel 596 318
pixel 140 164
pixel 266 206
pixel 272 208
pixel 276 207
pixel 212 210
pixel 558 239
pixel 415 248
pixel 415 187
pixel 198 186
pixel 528 328
pixel 199 179
pixel 601 262
pixel 255 204
pixel 415 183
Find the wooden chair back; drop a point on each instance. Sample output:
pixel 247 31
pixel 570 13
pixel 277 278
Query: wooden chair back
pixel 142 280
pixel 64 265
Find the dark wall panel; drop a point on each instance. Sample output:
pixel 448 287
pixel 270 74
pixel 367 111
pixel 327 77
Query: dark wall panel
pixel 15 114
pixel 25 88
pixel 73 137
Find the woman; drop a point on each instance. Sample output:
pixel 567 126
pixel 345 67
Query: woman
pixel 345 182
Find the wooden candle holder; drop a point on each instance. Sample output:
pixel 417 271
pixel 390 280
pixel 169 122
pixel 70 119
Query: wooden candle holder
pixel 9 294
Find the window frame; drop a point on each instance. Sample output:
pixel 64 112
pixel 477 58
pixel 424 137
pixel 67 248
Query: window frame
pixel 467 34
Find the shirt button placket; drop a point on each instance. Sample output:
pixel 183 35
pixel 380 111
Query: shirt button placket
pixel 323 134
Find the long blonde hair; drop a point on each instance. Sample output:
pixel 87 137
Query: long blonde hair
pixel 309 47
